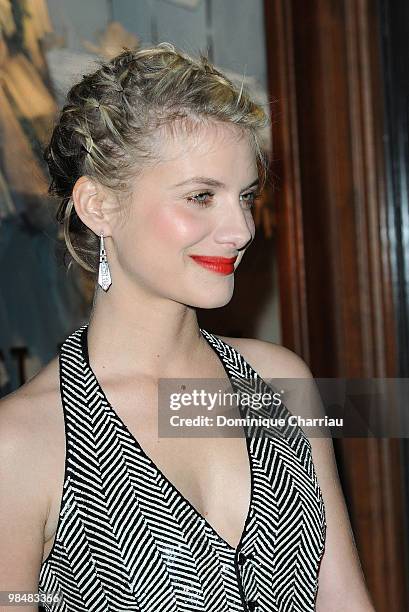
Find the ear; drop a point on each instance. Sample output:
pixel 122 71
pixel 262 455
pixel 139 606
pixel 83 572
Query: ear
pixel 91 205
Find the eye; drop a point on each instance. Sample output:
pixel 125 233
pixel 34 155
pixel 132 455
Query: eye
pixel 252 197
pixel 201 199
pixel 195 198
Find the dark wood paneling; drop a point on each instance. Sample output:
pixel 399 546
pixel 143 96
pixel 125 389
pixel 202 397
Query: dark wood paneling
pixel 394 18
pixel 324 71
pixel 285 158
pixel 394 24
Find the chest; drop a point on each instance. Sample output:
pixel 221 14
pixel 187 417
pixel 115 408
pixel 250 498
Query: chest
pixel 213 474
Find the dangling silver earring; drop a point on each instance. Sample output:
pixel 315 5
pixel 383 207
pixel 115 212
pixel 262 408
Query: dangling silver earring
pixel 104 274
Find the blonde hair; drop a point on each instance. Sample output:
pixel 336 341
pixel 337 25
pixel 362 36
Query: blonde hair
pixel 106 128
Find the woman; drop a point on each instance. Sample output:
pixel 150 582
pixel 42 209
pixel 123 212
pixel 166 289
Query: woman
pixel 157 163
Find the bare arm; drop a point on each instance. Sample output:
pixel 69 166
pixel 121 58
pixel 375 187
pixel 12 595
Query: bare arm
pixel 341 580
pixel 23 501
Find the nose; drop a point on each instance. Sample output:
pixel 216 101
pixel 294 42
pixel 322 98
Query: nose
pixel 236 226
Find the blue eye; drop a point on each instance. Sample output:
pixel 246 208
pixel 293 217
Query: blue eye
pixel 195 197
pixel 253 197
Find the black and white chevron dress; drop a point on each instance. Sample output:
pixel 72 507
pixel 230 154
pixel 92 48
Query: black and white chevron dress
pixel 127 539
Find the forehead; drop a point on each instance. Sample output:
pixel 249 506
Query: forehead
pixel 208 142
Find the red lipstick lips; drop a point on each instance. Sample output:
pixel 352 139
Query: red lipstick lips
pixel 220 265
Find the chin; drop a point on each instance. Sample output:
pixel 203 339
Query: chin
pixel 214 300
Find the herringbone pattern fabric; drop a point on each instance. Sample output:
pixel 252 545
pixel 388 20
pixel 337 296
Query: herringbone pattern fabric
pixel 127 539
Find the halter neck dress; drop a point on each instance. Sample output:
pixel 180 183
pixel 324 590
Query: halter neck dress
pixel 127 539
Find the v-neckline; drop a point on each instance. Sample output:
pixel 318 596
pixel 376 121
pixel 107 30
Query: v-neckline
pixel 83 347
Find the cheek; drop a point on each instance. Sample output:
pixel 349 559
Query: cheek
pixel 179 227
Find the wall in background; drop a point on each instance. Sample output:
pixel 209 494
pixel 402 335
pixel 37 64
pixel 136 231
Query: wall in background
pixel 233 34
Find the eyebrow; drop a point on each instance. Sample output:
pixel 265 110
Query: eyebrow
pixel 205 180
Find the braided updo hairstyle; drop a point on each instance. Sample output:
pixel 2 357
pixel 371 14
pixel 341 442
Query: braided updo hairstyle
pixel 105 130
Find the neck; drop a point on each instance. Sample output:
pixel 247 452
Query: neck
pixel 134 334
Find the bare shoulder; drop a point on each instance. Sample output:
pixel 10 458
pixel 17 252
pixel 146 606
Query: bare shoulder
pixel 283 370
pixel 23 412
pixel 30 430
pixel 270 360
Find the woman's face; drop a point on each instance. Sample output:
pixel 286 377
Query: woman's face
pixel 195 202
